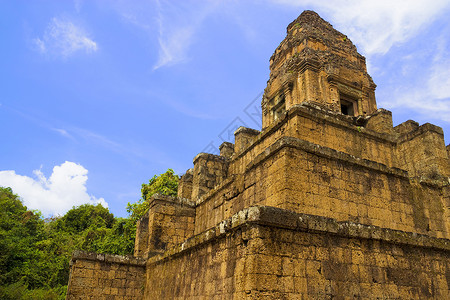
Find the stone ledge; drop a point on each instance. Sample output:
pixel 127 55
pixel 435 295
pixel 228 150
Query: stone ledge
pixel 440 182
pixel 324 152
pixel 250 131
pixel 314 111
pixel 281 218
pixel 159 198
pixel 107 258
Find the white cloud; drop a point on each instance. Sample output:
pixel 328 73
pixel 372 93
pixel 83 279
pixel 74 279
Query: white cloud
pixel 377 25
pixel 66 187
pixel 63 38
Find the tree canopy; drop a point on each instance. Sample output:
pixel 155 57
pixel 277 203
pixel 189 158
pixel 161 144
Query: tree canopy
pixel 165 184
pixel 35 252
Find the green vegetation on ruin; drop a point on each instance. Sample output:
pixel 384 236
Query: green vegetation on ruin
pixel 35 252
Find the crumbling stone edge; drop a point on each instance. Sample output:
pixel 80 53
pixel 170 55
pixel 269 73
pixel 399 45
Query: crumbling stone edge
pixel 107 258
pixel 281 218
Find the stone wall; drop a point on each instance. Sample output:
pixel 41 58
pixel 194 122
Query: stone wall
pixel 323 182
pixel 213 270
pixel 302 165
pixel 209 170
pixel 271 253
pixel 423 153
pixel 168 222
pixel 307 178
pixel 338 132
pixel 103 276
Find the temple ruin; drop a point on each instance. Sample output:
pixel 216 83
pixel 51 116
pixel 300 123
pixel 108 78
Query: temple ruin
pixel 328 201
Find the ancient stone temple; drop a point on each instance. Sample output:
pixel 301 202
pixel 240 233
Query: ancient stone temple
pixel 328 200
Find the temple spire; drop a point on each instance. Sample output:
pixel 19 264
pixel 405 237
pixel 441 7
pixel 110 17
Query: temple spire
pixel 316 63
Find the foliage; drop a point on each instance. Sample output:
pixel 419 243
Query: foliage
pixel 26 271
pixel 165 184
pixel 85 216
pixel 35 252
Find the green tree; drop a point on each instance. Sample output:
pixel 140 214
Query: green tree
pixel 24 268
pixel 119 239
pixel 86 216
pixel 93 228
pixel 165 184
pixel 19 228
pixel 35 253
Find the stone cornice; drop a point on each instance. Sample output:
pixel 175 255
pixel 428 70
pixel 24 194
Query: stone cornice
pixel 268 216
pixel 163 199
pixel 107 258
pixel 323 151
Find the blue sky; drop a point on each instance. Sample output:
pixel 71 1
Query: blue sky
pixel 98 96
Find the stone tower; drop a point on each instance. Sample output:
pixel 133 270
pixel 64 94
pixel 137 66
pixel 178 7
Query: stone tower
pixel 328 200
pixel 316 63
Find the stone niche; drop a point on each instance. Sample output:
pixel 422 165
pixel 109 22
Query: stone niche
pixel 328 200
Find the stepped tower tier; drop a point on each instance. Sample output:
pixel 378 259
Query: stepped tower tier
pixel 318 64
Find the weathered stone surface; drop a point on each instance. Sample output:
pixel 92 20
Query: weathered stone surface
pixel 105 276
pixel 209 170
pixel 329 200
pixel 226 149
pixel 281 254
pixel 185 184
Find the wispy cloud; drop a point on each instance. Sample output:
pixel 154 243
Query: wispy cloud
pixel 376 25
pixel 189 111
pixel 142 151
pixel 431 98
pixel 78 4
pixel 175 23
pixel 63 38
pixel 95 138
pixel 176 27
pixel 55 195
pixel 63 132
